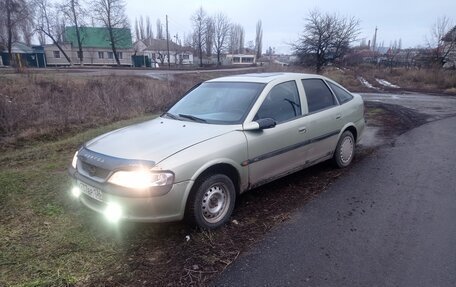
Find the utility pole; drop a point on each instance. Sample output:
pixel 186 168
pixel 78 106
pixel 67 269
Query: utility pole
pixel 167 41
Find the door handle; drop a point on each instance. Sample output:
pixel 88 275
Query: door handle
pixel 302 130
pixel 338 117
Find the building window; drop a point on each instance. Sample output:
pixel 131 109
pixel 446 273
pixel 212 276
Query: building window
pixel 110 55
pixel 80 54
pixel 100 55
pixel 57 54
pixel 247 60
pixel 236 60
pixel 119 55
pixel 186 57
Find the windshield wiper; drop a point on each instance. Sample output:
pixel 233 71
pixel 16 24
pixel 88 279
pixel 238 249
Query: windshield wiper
pixel 170 115
pixel 193 118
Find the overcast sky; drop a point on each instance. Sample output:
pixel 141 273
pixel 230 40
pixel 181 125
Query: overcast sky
pixel 283 20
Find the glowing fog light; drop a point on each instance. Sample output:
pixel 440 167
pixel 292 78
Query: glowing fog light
pixel 113 212
pixel 75 191
pixel 75 160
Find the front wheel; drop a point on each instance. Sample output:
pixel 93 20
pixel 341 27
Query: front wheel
pixel 345 150
pixel 211 202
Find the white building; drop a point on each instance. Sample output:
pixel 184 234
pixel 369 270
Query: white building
pixel 240 59
pixel 157 51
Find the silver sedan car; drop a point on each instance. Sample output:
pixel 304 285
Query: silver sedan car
pixel 224 137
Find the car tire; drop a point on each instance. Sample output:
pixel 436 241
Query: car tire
pixel 211 201
pixel 345 150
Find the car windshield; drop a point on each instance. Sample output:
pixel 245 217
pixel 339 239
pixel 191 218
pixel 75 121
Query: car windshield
pixel 217 103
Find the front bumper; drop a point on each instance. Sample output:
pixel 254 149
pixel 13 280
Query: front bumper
pixel 138 205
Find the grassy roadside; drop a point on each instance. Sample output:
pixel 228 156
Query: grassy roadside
pixel 49 240
pixel 46 239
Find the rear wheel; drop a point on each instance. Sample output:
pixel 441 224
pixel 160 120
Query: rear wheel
pixel 345 150
pixel 211 202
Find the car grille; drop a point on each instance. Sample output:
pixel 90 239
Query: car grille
pixel 94 171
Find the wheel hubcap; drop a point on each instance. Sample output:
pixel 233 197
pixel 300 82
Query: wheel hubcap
pixel 346 150
pixel 215 203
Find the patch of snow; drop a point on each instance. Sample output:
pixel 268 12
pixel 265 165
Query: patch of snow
pixel 386 83
pixel 366 83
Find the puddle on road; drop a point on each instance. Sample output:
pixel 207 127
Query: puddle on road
pixel 371 138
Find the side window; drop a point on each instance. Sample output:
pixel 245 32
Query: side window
pixel 281 104
pixel 318 95
pixel 342 95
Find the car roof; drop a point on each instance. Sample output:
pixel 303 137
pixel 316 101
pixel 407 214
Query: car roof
pixel 265 77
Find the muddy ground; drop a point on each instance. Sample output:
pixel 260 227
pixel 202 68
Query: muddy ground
pixel 178 255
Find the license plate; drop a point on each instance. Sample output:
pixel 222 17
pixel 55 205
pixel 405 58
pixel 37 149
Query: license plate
pixel 91 191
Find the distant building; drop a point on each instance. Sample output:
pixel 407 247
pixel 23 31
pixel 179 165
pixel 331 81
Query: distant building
pixel 156 51
pixel 96 47
pixel 240 59
pixel 449 42
pixel 24 56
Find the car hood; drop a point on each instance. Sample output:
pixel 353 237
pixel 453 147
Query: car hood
pixel 155 140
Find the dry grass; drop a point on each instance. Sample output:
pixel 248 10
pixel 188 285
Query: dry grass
pixel 34 106
pixel 432 80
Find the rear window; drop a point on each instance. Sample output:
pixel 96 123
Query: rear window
pixel 342 95
pixel 319 97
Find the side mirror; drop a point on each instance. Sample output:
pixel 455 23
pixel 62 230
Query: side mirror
pixel 259 125
pixel 266 123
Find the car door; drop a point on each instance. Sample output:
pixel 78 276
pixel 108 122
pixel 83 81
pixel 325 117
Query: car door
pixel 277 151
pixel 324 119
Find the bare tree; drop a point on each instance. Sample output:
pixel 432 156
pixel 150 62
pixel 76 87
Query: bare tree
pixel 41 38
pixel 149 33
pixel 14 14
pixel 199 31
pixel 392 54
pixel 236 39
pixel 74 13
pixel 49 22
pixel 241 40
pixel 325 38
pixel 188 40
pixel 27 30
pixel 160 35
pixel 137 34
pixel 210 31
pixel 259 39
pixel 439 36
pixel 221 33
pixel 111 13
pixel 142 29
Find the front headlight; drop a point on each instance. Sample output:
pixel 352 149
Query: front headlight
pixel 75 160
pixel 141 179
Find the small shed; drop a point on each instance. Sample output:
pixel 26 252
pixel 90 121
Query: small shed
pixel 25 56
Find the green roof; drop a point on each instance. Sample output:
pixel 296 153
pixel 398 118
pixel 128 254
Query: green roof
pixel 98 37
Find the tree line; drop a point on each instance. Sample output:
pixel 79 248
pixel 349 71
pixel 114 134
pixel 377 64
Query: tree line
pixel 20 20
pixel 326 38
pixel 217 34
